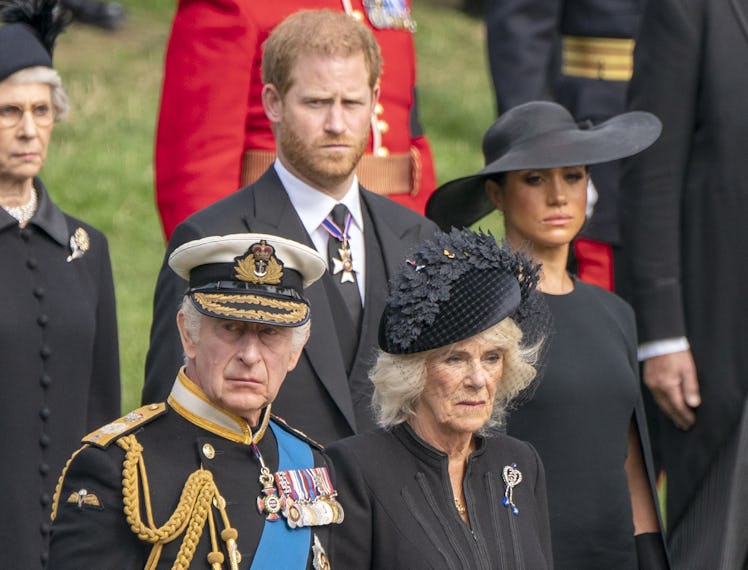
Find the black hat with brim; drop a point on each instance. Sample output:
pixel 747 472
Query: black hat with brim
pixel 256 278
pixel 536 135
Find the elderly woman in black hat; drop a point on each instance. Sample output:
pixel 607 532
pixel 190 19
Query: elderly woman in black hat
pixel 438 486
pixel 59 363
pixel 585 419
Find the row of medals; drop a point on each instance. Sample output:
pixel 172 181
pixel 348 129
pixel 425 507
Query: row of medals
pixel 321 510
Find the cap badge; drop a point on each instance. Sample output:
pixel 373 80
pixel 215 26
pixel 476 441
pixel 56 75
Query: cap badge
pixel 259 265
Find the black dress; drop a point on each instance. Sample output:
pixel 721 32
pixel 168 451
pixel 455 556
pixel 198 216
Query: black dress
pixel 59 364
pixel 399 509
pixel 578 420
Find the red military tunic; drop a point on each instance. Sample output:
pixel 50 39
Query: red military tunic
pixel 211 110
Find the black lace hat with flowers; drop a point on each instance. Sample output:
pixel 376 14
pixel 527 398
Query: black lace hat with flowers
pixel 28 32
pixel 455 286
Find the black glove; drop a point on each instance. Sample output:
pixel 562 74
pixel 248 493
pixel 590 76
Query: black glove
pixel 651 552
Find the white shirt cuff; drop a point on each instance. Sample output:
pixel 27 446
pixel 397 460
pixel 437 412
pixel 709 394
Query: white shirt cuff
pixel 660 347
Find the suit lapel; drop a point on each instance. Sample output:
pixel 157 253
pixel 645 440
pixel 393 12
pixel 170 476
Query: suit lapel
pixel 740 7
pixel 389 231
pixel 274 214
pixel 387 240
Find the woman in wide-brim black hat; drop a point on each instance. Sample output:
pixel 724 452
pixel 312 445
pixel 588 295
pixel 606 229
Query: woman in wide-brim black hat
pixel 586 418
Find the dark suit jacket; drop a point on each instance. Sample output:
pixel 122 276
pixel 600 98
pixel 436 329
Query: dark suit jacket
pixel 684 216
pixel 524 50
pixel 735 555
pixel 316 396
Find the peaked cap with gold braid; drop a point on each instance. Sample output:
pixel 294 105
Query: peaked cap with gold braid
pixel 256 278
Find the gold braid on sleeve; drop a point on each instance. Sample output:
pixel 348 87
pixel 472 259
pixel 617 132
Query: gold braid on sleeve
pixel 199 494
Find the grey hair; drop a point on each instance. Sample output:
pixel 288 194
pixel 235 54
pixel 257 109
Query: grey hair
pixel 41 74
pixel 193 321
pixel 399 379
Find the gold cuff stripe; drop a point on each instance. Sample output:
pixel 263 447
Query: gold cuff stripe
pixel 610 59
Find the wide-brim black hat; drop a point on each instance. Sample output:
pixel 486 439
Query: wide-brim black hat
pixel 455 286
pixel 258 278
pixel 539 134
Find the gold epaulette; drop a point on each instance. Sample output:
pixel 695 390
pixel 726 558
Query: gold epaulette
pixel 105 435
pixel 298 433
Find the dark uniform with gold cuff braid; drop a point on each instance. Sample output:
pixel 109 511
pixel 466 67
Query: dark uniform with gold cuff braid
pixel 578 53
pixel 191 483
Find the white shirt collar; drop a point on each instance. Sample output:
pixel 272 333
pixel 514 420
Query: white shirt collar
pixel 314 206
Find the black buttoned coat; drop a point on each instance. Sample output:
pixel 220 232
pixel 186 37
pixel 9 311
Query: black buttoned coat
pixel 400 510
pixel 59 366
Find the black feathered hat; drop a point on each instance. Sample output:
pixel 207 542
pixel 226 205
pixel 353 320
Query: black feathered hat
pixel 539 134
pixel 455 286
pixel 28 31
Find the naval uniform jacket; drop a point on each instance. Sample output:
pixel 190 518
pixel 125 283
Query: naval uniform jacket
pixel 178 438
pixel 524 48
pixel 684 217
pixel 400 511
pixel 328 394
pixel 211 107
pixel 59 365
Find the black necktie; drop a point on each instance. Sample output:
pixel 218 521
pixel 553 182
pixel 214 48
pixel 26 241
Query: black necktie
pixel 348 288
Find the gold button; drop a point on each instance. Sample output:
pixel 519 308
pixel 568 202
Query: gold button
pixel 358 15
pixel 153 407
pixel 383 126
pixel 208 451
pixel 383 151
pixel 378 109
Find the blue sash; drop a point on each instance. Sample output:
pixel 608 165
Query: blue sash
pixel 281 546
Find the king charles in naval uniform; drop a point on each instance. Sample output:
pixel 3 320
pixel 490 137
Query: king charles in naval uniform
pixel 210 478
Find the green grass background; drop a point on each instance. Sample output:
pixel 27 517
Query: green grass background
pixel 100 164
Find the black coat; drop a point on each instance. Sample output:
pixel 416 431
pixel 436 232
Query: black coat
pixel 59 365
pixel 318 397
pixel 524 49
pixel 684 216
pixel 97 534
pixel 400 511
